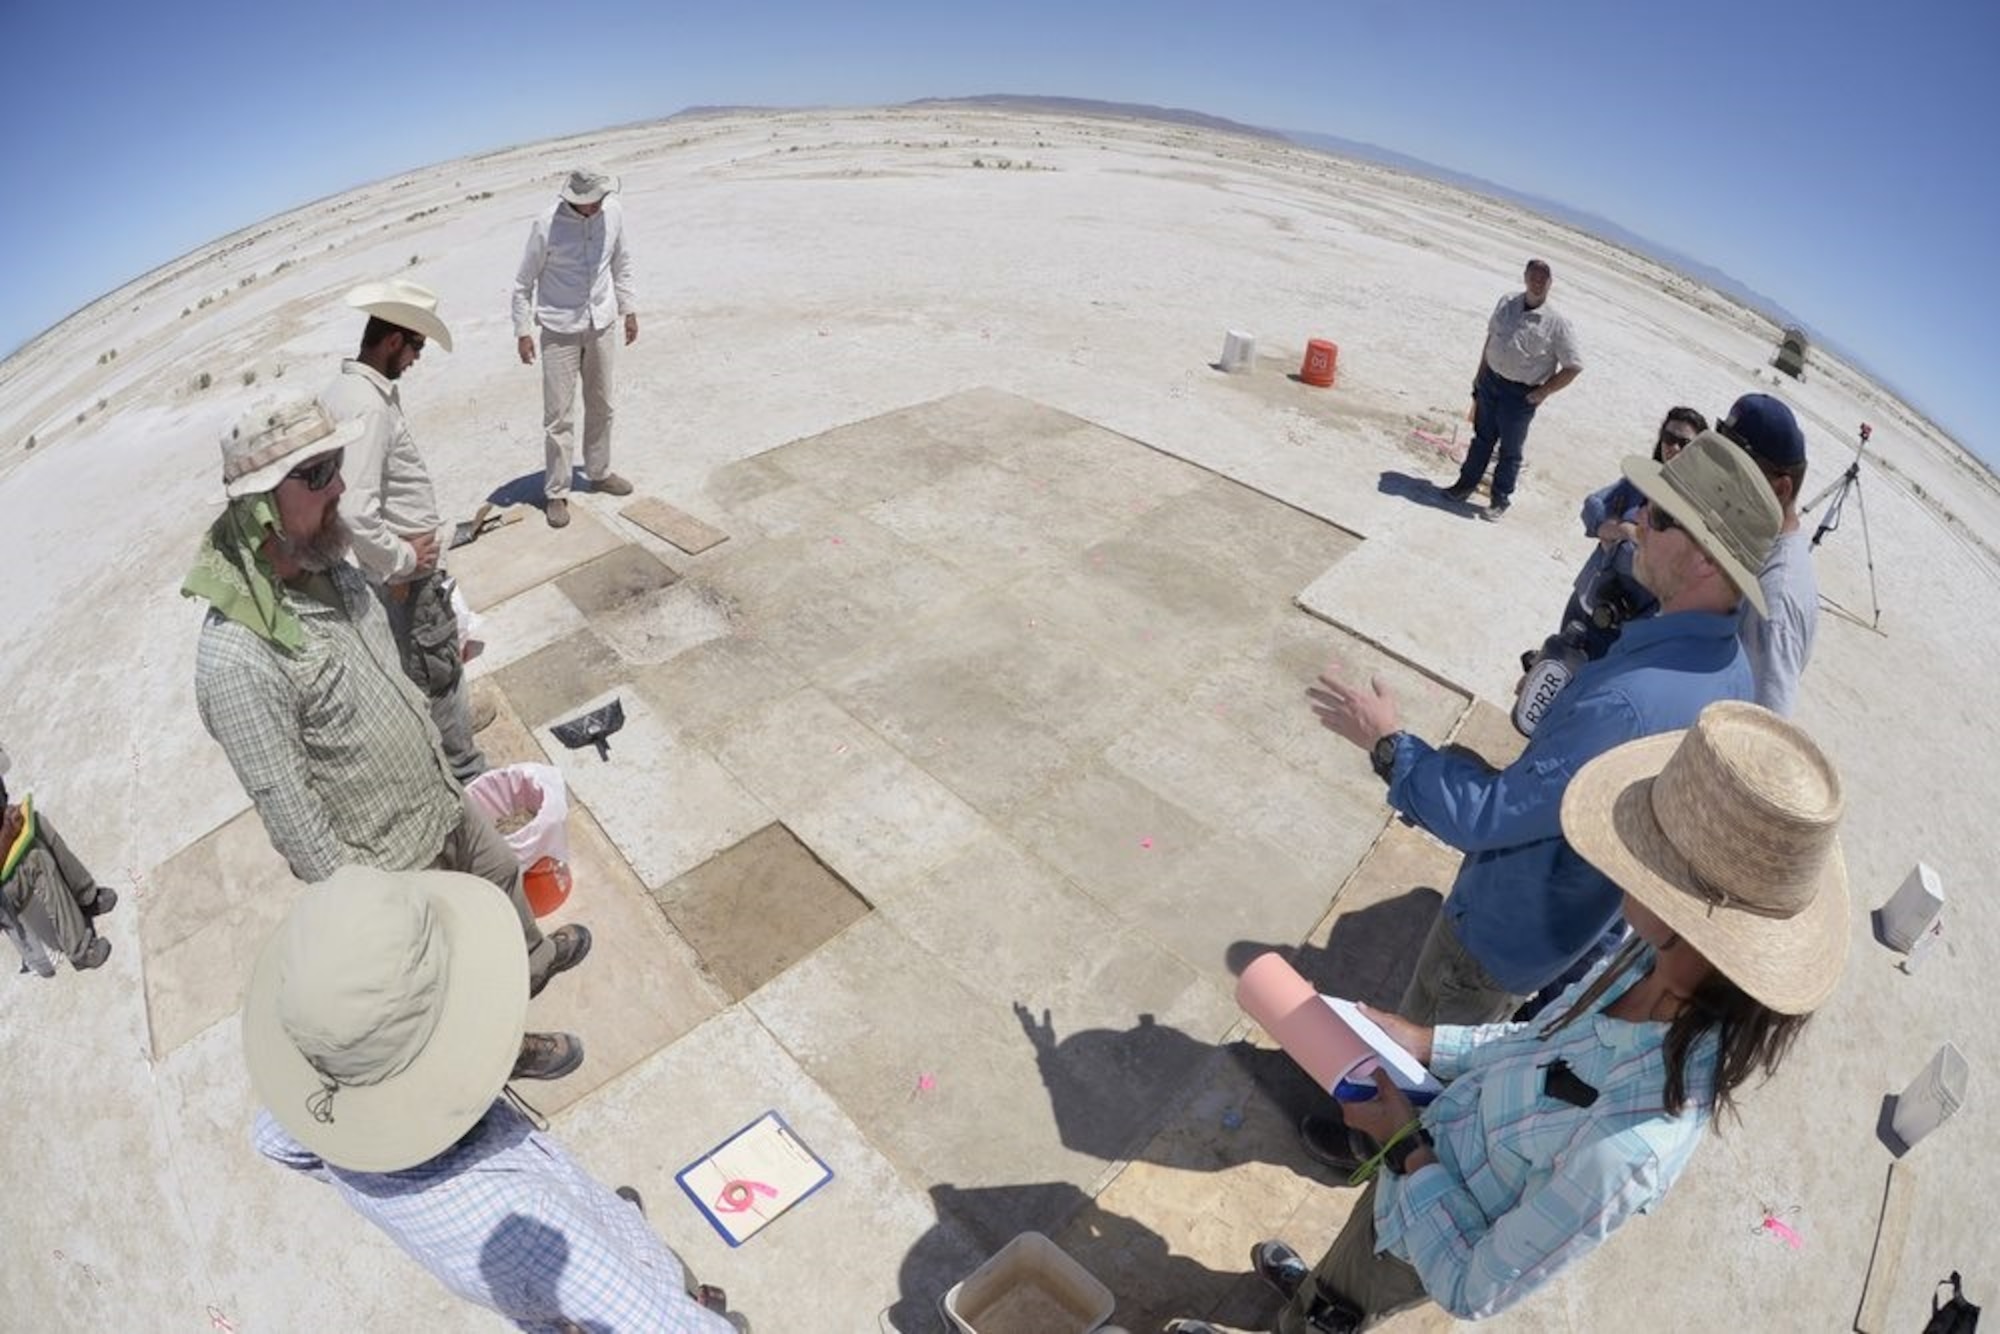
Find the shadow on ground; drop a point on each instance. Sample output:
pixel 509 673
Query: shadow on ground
pixel 1421 491
pixel 527 488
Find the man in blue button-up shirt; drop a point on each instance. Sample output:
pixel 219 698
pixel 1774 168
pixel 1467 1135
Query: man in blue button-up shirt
pixel 1525 906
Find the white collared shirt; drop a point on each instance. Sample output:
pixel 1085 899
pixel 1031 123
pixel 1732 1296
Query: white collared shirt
pixel 389 494
pixel 576 274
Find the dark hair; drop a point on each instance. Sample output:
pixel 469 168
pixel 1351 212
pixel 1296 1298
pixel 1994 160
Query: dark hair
pixel 3 794
pixel 377 330
pixel 1750 1036
pixel 1686 417
pixel 1796 473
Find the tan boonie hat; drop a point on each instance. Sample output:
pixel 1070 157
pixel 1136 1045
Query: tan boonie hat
pixel 267 443
pixel 1719 495
pixel 406 305
pixel 1727 833
pixel 385 1014
pixel 587 185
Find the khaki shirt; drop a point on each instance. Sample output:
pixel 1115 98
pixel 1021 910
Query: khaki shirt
pixel 333 744
pixel 389 493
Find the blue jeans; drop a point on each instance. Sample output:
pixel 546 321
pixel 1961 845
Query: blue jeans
pixel 1503 415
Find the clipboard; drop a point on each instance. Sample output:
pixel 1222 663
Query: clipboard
pixel 746 1182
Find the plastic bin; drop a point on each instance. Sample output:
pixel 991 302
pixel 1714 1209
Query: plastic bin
pixel 1030 1286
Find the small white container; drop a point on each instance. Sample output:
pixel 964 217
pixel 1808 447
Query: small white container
pixel 1030 1286
pixel 1239 352
pixel 1911 910
pixel 1932 1096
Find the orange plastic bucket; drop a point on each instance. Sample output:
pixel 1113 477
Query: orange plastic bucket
pixel 1321 358
pixel 547 885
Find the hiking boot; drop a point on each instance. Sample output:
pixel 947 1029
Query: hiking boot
pixel 631 1196
pixel 547 1055
pixel 1458 495
pixel 611 484
pixel 1278 1265
pixel 94 956
pixel 1188 1327
pixel 106 900
pixel 1328 1140
pixel 571 943
pixel 558 513
pixel 483 712
pixel 1496 511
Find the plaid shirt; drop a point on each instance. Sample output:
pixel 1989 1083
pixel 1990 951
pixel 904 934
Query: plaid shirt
pixel 507 1219
pixel 334 744
pixel 1525 1183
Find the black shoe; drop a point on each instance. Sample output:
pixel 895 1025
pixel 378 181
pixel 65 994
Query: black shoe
pixel 93 957
pixel 1495 512
pixel 571 943
pixel 1454 493
pixel 1189 1327
pixel 1327 1140
pixel 1528 658
pixel 548 1055
pixel 630 1194
pixel 1278 1265
pixel 106 900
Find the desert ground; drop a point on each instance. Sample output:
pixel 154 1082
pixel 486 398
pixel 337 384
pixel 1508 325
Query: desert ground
pixel 994 694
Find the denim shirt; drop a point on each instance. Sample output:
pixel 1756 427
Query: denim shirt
pixel 1524 904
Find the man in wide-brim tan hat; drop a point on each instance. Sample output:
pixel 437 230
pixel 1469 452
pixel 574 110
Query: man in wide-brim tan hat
pixel 382 1019
pixel 391 506
pixel 574 285
pixel 298 680
pixel 1551 1134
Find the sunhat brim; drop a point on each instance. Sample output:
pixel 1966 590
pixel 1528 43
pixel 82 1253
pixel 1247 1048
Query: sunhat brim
pixel 1651 479
pixel 590 196
pixel 273 472
pixel 402 314
pixel 421 1111
pixel 1790 964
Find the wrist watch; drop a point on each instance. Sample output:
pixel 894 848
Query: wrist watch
pixel 1398 1156
pixel 1382 755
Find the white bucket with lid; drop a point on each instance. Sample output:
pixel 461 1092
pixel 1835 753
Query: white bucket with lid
pixel 1932 1097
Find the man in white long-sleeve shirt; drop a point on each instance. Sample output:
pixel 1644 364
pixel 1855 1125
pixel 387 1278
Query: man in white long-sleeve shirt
pixel 574 283
pixel 391 507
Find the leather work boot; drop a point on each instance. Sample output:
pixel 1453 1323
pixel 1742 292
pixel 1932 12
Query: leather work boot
pixel 558 513
pixel 547 1055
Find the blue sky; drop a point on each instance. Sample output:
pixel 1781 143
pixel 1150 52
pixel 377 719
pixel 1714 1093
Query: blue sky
pixel 1827 155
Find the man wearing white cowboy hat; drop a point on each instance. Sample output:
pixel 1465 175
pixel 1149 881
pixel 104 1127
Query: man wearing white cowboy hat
pixel 381 1023
pixel 575 280
pixel 1525 905
pixel 1550 1135
pixel 298 679
pixel 391 507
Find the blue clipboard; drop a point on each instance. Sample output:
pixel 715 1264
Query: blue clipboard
pixel 713 1208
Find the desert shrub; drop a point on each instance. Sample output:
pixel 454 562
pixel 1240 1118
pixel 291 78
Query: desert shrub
pixel 249 377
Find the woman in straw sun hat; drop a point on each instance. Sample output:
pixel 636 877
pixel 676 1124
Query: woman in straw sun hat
pixel 1549 1135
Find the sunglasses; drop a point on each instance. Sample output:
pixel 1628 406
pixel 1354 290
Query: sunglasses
pixel 319 474
pixel 1677 440
pixel 1659 520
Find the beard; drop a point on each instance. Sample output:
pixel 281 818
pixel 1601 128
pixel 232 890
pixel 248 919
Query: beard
pixel 321 550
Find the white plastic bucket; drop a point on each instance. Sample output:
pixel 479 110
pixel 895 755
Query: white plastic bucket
pixel 1932 1096
pixel 1030 1286
pixel 1239 352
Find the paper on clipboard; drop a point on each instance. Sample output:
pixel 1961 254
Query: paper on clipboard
pixel 756 1174
pixel 1405 1069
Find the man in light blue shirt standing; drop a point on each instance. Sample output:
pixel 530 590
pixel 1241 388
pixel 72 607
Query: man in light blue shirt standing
pixel 1525 906
pixel 1779 639
pixel 574 283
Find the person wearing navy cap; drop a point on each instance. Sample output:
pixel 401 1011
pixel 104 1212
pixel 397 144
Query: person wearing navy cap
pixel 1780 640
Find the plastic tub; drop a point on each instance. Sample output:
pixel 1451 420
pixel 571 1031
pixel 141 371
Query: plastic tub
pixel 1031 1286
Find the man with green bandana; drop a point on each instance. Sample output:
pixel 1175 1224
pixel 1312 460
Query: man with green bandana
pixel 48 899
pixel 298 678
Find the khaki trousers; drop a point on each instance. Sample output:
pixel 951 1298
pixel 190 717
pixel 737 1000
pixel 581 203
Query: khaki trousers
pixel 51 879
pixel 566 359
pixel 426 633
pixel 1450 986
pixel 476 848
pixel 1351 1271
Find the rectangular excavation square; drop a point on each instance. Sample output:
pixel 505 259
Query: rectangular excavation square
pixel 615 579
pixel 757 909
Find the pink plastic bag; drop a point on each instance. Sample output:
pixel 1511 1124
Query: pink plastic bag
pixel 536 789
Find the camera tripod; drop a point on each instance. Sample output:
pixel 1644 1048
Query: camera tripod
pixel 1849 484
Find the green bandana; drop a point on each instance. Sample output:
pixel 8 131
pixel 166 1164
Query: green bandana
pixel 232 573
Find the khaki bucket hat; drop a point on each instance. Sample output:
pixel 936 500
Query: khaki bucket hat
pixel 1727 832
pixel 1717 492
pixel 385 1014
pixel 406 305
pixel 587 185
pixel 269 442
